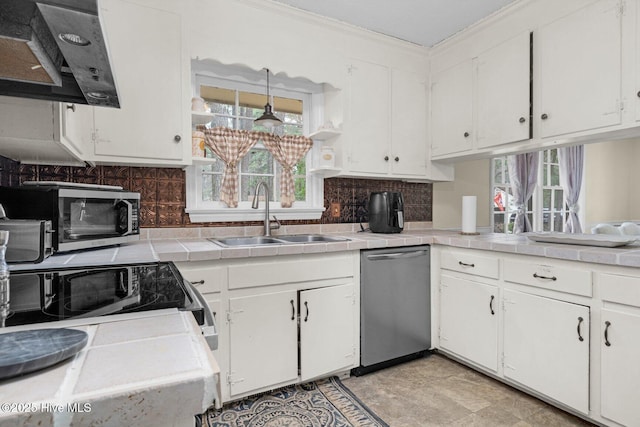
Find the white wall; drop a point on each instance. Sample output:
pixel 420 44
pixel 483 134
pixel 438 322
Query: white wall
pixel 611 182
pixel 472 179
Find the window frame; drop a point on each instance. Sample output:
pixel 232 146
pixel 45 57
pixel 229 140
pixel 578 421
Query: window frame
pixel 249 81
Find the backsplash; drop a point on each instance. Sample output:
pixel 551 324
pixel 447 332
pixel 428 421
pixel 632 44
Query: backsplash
pixel 162 192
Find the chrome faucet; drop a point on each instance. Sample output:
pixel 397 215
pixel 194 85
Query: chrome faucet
pixel 268 226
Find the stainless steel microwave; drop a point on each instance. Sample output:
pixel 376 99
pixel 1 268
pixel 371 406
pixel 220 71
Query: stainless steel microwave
pixel 82 215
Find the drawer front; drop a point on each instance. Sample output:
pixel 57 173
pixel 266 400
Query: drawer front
pixel 205 279
pixel 303 268
pixel 471 263
pixel 620 289
pixel 549 276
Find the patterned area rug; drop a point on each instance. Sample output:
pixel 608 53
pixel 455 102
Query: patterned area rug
pixel 324 403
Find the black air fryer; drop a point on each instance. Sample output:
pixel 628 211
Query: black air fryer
pixel 386 212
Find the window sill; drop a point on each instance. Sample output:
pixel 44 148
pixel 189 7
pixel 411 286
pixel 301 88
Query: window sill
pixel 240 214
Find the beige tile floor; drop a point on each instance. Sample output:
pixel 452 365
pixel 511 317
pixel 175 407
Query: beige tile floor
pixel 437 391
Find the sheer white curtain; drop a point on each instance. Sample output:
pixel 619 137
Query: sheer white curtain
pixel 523 174
pixel 571 164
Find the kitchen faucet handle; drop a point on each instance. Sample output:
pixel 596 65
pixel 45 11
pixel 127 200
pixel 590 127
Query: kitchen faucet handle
pixel 276 225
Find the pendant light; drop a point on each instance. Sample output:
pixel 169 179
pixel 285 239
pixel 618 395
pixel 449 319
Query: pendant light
pixel 268 119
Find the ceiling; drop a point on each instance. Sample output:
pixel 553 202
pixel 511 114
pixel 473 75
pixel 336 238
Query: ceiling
pixel 423 22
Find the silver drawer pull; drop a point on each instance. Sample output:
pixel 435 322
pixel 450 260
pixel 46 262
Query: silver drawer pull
pixel 537 276
pixel 464 264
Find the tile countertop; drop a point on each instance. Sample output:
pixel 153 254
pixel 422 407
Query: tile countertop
pixel 195 248
pixel 149 370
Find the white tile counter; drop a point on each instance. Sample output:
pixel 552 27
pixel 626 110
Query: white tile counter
pixel 148 371
pixel 195 247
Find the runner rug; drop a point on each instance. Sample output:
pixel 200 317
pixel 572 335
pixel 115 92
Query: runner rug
pixel 324 403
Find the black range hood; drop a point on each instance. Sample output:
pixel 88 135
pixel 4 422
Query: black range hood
pixel 55 50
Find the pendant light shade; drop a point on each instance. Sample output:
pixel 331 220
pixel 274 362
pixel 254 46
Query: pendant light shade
pixel 268 119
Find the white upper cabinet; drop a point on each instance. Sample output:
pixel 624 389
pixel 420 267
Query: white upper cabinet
pixel 502 82
pixel 153 125
pixel 577 61
pixel 408 154
pixel 44 132
pixel 367 127
pixel 386 122
pixel 452 110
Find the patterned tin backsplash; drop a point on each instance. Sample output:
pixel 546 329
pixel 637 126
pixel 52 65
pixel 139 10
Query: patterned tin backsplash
pixel 162 192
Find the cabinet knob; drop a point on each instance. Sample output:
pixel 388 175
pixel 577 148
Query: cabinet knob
pixel 71 107
pixel 397 159
pixel 386 158
pixel 522 120
pixel 466 134
pixel 544 116
pixel 177 138
pixel 638 94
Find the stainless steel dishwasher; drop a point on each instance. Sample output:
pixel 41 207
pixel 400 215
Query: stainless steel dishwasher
pixel 395 306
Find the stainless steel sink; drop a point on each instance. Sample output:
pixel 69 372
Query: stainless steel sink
pixel 280 240
pixel 246 241
pixel 311 238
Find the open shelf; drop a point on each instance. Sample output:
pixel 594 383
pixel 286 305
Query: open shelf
pixel 201 118
pixel 326 172
pixel 324 134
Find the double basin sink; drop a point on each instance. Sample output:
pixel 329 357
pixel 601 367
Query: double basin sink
pixel 279 240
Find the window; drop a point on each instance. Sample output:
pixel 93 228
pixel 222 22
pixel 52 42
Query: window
pixel 236 104
pixel 546 209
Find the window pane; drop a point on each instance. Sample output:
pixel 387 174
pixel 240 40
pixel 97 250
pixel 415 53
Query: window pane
pixel 553 155
pixel 226 122
pixel 545 173
pixel 558 202
pixel 257 161
pixel 555 175
pixel 300 188
pixel 217 166
pixel 251 113
pixel 211 187
pixel 557 222
pixel 248 185
pixel 546 199
pixel 498 223
pixel 292 129
pixel 497 171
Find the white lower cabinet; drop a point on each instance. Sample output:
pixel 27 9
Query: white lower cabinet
pixel 620 370
pixel 546 347
pixel 281 320
pixel 324 312
pixel 263 341
pixel 469 320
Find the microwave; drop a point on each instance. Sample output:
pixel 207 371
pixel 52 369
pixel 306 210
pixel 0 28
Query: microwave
pixel 82 215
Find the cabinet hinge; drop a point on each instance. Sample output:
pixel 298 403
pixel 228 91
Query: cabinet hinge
pixel 230 380
pixel 94 137
pixel 228 316
pixel 502 360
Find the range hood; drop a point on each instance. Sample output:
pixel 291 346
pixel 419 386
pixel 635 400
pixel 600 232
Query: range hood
pixel 55 50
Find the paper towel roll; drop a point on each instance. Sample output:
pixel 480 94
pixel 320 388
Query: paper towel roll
pixel 469 214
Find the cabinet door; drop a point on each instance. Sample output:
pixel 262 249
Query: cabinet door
pixel 451 110
pixel 503 93
pixel 326 316
pixel 543 348
pixel 469 320
pixel 620 370
pixel 367 128
pixel 263 341
pixel 146 49
pixel 408 155
pixel 76 126
pixel 578 58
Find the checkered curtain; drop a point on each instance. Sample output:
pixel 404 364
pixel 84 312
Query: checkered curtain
pixel 287 150
pixel 231 146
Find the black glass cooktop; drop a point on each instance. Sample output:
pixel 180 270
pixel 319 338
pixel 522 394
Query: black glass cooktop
pixel 44 296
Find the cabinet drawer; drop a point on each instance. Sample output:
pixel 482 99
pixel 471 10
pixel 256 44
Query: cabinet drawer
pixel 620 289
pixel 303 268
pixel 466 262
pixel 548 276
pixel 205 279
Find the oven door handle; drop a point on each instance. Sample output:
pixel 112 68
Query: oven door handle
pixel 209 329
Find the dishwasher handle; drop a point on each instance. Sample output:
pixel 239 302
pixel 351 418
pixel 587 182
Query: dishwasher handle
pixel 396 255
